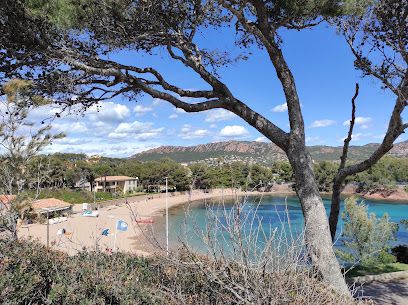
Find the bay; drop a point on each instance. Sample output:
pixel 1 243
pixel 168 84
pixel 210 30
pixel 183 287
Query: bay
pixel 187 223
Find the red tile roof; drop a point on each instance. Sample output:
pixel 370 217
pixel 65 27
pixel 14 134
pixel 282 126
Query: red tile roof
pixel 114 178
pixel 49 203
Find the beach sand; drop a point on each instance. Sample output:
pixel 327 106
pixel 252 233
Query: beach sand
pixel 86 232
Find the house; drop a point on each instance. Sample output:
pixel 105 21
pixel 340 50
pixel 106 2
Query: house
pixel 50 205
pixel 83 184
pixel 115 184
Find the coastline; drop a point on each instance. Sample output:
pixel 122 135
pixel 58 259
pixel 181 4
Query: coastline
pixel 84 232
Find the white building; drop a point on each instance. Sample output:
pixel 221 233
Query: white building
pixel 116 184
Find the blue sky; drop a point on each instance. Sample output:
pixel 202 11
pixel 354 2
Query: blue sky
pixel 323 68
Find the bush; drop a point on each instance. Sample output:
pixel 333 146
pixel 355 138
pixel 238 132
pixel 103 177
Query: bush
pixel 365 237
pixel 32 275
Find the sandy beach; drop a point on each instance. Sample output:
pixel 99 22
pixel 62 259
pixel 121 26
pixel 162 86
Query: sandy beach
pixel 86 232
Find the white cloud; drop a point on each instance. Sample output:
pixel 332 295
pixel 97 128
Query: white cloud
pixel 213 125
pixel 180 110
pixel 38 114
pixel 68 127
pixel 136 130
pixel 322 123
pixel 107 148
pixel 188 132
pixel 70 141
pixel 262 139
pixel 173 116
pixel 142 110
pixel 105 130
pixel 363 122
pixel 280 108
pixel 357 136
pixel 108 111
pixel 130 127
pixel 233 131
pixel 219 115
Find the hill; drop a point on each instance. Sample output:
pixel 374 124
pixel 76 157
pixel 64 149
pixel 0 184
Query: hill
pixel 257 152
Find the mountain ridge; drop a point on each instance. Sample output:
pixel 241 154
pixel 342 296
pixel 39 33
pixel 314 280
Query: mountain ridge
pixel 257 152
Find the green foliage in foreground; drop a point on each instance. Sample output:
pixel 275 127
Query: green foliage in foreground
pixel 366 237
pixel 377 269
pixel 32 275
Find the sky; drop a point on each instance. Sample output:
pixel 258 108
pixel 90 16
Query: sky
pixel 323 69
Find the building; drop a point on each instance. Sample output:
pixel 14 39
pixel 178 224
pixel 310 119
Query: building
pixel 83 184
pixel 116 184
pixel 50 205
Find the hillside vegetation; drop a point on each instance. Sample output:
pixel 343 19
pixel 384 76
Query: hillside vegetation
pixel 257 152
pixel 64 170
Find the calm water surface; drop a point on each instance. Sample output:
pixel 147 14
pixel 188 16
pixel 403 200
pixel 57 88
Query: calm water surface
pixel 270 211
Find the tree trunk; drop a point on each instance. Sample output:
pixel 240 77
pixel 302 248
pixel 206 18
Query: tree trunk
pixel 335 209
pixel 317 232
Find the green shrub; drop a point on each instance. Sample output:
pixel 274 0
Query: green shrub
pixel 366 238
pixel 32 275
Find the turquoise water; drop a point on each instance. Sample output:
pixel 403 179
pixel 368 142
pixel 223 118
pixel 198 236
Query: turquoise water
pixel 270 211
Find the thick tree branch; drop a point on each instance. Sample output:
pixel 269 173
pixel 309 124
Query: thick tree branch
pixel 193 60
pixel 395 129
pixel 149 70
pixel 347 141
pixel 188 107
pixel 338 182
pixel 263 125
pixel 264 31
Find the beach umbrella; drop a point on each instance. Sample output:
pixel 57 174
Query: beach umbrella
pixel 120 226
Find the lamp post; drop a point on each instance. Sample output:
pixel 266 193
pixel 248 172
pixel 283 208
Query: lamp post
pixel 167 220
pixel 48 230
